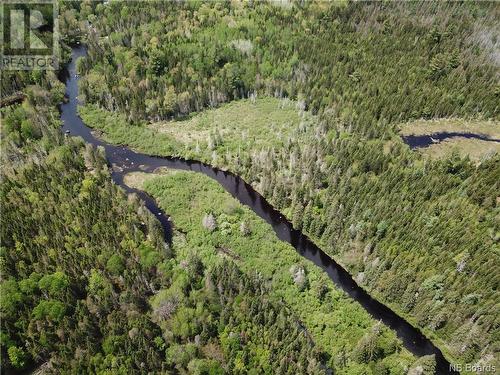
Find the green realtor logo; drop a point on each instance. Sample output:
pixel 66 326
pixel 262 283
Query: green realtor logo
pixel 29 35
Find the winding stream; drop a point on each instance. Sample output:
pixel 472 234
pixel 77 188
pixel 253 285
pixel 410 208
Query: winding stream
pixel 124 160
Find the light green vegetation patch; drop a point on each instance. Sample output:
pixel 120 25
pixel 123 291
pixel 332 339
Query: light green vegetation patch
pixel 422 127
pixel 476 149
pixel 213 224
pixel 237 128
pixel 241 125
pixel 115 129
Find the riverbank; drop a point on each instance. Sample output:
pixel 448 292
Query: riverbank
pixel 337 323
pixel 221 161
pixel 114 130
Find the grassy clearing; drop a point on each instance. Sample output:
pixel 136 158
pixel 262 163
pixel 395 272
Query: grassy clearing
pixel 336 322
pixel 137 179
pixel 236 128
pixel 242 124
pixel 115 129
pixel 476 149
pixel 422 127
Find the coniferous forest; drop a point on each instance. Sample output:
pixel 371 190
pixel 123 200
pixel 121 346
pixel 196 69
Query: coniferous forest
pixel 302 99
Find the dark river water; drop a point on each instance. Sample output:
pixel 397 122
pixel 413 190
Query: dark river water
pixel 124 160
pixel 426 140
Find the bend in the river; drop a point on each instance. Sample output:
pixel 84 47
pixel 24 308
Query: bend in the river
pixel 124 160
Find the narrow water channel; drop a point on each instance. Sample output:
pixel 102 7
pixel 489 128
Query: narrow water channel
pixel 426 140
pixel 124 160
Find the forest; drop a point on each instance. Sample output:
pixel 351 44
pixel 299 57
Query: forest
pixel 88 283
pixel 208 221
pixel 420 234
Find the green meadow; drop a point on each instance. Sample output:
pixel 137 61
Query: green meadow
pixel 237 128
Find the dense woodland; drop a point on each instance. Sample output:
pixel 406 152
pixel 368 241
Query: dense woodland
pixel 421 235
pixel 88 284
pixel 80 262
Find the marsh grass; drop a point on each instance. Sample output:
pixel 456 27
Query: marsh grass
pixel 115 129
pixel 236 128
pixel 475 149
pixel 240 124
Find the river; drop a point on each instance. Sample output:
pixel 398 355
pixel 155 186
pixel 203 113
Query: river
pixel 124 160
